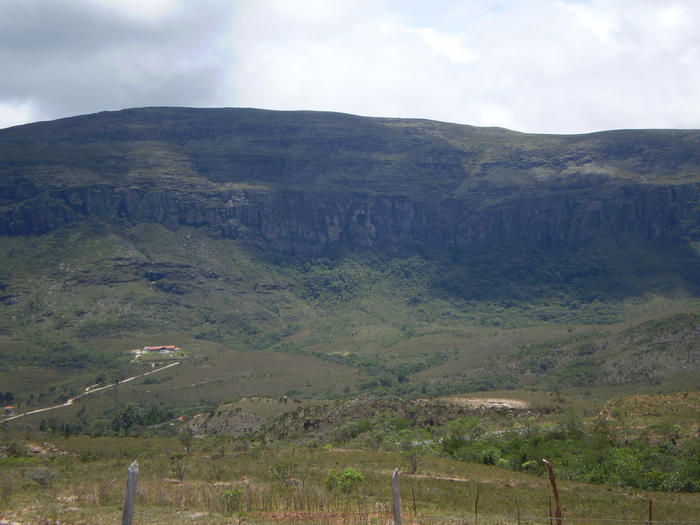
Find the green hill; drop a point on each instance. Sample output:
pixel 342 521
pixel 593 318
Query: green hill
pixel 366 254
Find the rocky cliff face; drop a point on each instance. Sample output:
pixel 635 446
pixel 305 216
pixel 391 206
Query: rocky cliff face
pixel 311 222
pixel 307 182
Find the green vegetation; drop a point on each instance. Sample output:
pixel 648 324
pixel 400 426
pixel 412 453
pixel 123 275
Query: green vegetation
pixel 381 316
pixel 595 457
pixel 323 470
pixel 307 331
pixel 178 465
pixel 344 481
pixel 350 295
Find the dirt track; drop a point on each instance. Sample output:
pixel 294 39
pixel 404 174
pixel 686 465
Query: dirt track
pixel 88 390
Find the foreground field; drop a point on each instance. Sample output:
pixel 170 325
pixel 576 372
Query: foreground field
pixel 82 480
pixel 267 460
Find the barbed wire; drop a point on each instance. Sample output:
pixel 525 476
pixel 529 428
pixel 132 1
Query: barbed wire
pixel 546 519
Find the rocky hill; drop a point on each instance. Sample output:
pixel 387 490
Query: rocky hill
pixel 309 182
pixel 390 246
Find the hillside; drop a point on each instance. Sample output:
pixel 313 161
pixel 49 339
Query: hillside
pixel 368 254
pixel 306 181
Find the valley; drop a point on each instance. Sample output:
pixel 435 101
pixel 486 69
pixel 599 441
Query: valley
pixel 347 292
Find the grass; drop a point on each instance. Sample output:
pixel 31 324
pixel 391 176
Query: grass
pixel 674 413
pixel 81 478
pixel 357 324
pixel 84 478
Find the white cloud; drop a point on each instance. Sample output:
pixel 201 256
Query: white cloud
pixel 449 45
pixel 543 65
pixel 14 113
pixel 140 9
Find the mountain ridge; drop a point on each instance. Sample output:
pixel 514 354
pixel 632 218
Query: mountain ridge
pixel 374 181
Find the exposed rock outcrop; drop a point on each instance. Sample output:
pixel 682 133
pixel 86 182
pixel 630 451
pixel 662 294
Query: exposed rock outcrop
pixel 307 182
pixel 310 222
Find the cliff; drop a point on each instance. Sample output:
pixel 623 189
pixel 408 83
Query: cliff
pixel 311 222
pixel 406 250
pixel 307 182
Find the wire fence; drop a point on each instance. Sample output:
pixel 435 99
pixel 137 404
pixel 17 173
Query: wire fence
pixel 384 516
pixel 552 519
pixel 527 520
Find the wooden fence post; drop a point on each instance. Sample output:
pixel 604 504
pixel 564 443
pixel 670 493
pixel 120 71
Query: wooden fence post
pixel 476 506
pixel 415 509
pixel 396 498
pixel 130 498
pixel 553 481
pixel 650 513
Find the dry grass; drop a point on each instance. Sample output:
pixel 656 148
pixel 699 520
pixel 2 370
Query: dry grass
pixel 92 492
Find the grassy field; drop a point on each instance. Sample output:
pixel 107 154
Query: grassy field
pixel 261 479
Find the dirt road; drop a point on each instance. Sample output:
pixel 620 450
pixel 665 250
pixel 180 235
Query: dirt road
pixel 88 390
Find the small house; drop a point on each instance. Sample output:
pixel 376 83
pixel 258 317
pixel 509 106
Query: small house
pixel 161 348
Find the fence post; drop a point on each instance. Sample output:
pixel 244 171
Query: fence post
pixel 396 498
pixel 650 512
pixel 130 498
pixel 476 506
pixel 415 509
pixel 553 481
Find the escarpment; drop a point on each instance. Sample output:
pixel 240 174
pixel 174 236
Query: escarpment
pixel 312 222
pixel 309 182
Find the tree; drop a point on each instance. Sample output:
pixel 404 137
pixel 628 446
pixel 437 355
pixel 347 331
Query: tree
pixel 82 415
pixel 178 465
pixel 285 472
pixel 413 447
pixel 124 418
pixel 412 454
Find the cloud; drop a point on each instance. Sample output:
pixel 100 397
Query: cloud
pixel 545 66
pixel 141 9
pixel 449 45
pixel 67 58
pixel 14 113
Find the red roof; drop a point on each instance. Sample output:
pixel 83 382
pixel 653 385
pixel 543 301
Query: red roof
pixel 162 347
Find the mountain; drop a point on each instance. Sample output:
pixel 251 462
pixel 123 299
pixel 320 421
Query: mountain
pixel 306 181
pixel 384 245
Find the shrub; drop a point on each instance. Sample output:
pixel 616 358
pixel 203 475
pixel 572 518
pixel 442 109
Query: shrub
pixel 285 472
pixel 344 482
pixel 232 499
pixel 15 450
pixel 42 476
pixel 5 491
pixel 87 455
pixel 186 440
pixel 255 450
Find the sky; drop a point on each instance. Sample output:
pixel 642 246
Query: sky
pixel 544 66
